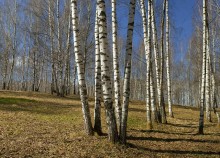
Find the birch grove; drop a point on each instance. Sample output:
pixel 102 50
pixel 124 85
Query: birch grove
pixel 116 54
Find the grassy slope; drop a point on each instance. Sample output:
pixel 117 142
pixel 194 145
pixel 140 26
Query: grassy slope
pixel 41 125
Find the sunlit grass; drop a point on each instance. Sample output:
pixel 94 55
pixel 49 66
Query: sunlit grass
pixel 42 125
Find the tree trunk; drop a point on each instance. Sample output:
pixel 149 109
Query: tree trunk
pixel 51 48
pixel 80 70
pixel 65 82
pixel 105 73
pixel 162 112
pixel 147 46
pixel 74 79
pixel 13 48
pixel 202 101
pixel 157 66
pixel 208 75
pixel 127 73
pixel 98 85
pixel 154 114
pixel 168 62
pixel 116 66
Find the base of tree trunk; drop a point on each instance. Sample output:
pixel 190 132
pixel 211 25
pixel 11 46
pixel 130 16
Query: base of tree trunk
pixel 149 125
pixel 208 118
pixel 4 86
pixel 201 131
pixel 155 117
pixel 164 121
pixel 111 122
pixel 218 118
pixel 98 129
pixel 163 115
pixel 99 132
pixel 171 115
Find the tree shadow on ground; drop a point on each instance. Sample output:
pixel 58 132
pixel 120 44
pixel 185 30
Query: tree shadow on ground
pixel 179 133
pixel 163 132
pixel 137 110
pixel 32 106
pixel 174 151
pixel 173 139
pixel 190 125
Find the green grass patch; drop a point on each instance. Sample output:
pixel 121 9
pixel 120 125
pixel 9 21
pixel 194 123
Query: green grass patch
pixel 15 100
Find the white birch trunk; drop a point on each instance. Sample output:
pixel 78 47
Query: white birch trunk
pixel 152 97
pixel 98 84
pixel 105 73
pixel 202 101
pixel 116 65
pixel 127 73
pixel 65 86
pixel 156 57
pixel 208 74
pixel 213 69
pixel 51 47
pixel 168 61
pixel 162 112
pixel 147 46
pixel 80 70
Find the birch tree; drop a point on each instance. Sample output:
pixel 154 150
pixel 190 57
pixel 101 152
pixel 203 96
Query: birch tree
pixel 147 46
pixel 202 93
pixel 157 62
pixel 127 73
pixel 66 80
pixel 208 75
pixel 105 73
pixel 13 47
pixel 51 47
pixel 162 112
pixel 116 65
pixel 80 70
pixel 168 61
pixel 98 86
pixel 152 97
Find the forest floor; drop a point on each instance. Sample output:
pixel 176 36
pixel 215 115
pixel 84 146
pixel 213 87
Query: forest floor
pixel 42 125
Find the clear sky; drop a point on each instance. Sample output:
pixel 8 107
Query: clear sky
pixel 180 11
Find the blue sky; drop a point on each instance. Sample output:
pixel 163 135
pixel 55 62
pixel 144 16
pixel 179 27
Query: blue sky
pixel 180 11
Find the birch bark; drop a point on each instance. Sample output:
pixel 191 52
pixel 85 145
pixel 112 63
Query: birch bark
pixel 202 93
pixel 116 65
pixel 156 59
pixel 127 74
pixel 147 46
pixel 105 73
pixel 98 85
pixel 168 61
pixel 80 70
pixel 162 112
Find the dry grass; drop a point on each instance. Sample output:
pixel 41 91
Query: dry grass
pixel 41 125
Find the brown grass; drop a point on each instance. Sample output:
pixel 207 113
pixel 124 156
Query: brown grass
pixel 42 125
